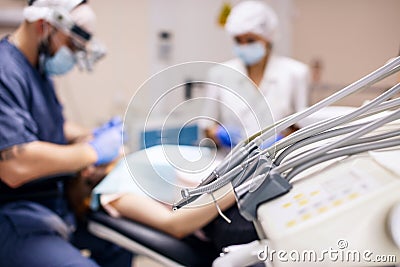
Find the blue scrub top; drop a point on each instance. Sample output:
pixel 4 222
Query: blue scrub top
pixel 29 109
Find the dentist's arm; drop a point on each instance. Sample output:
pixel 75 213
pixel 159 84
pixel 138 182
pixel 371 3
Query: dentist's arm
pixel 75 133
pixel 23 163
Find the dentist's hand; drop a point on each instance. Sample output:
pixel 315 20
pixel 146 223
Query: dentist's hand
pixel 115 121
pixel 107 142
pixel 269 142
pixel 228 136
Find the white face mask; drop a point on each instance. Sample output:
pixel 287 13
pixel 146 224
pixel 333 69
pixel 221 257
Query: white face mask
pixel 250 53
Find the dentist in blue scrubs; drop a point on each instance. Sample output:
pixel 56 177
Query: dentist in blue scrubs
pixel 38 148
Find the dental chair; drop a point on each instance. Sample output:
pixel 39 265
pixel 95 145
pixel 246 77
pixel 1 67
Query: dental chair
pixel 148 242
pixel 136 237
pixel 263 186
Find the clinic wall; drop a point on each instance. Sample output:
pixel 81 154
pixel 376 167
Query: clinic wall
pixel 352 38
pixel 90 99
pixel 130 30
pixel 195 35
pixel 10 16
pixel 93 98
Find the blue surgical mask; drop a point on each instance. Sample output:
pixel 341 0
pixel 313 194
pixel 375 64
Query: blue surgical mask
pixel 250 53
pixel 62 62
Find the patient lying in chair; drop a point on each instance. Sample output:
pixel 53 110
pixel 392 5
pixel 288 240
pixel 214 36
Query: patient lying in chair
pixel 145 190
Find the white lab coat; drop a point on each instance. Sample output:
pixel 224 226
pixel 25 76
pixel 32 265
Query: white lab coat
pixel 282 92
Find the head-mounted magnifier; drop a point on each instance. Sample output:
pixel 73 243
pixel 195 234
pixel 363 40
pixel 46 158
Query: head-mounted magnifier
pixel 87 50
pixel 58 13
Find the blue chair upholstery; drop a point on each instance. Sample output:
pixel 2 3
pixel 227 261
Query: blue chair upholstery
pixel 187 135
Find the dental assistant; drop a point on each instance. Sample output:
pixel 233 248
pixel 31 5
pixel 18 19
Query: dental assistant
pixel 283 82
pixel 39 149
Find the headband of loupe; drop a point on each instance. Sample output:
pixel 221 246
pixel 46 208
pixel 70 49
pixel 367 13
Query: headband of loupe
pixel 58 13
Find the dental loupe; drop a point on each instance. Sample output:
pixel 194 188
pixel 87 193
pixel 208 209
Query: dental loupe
pixel 87 50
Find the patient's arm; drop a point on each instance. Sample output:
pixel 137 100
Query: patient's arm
pixel 178 223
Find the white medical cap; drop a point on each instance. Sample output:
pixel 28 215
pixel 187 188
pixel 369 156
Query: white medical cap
pixel 252 16
pixel 41 9
pixel 82 15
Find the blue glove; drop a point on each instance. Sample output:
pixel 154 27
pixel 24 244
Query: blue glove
pixel 270 142
pixel 228 137
pixel 115 121
pixel 107 143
